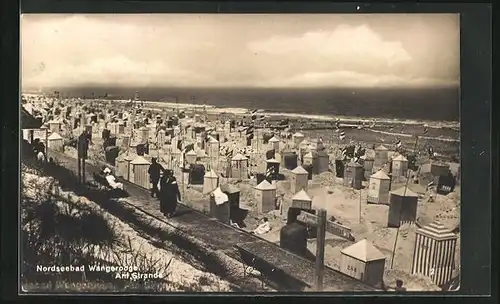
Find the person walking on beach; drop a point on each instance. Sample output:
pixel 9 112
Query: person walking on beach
pixel 169 194
pixel 163 192
pixel 154 172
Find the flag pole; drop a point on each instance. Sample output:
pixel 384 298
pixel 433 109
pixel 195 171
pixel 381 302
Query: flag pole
pixel 401 213
pixel 257 137
pixel 359 218
pixel 183 165
pixel 217 163
pixel 183 184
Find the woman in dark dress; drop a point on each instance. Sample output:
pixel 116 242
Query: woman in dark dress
pixel 169 194
pixel 163 192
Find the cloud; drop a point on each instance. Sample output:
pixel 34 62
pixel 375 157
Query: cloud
pixel 345 56
pixel 188 50
pixel 112 70
pixel 80 50
pixel 345 44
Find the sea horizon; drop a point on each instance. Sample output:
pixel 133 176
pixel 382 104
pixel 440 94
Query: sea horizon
pixel 430 104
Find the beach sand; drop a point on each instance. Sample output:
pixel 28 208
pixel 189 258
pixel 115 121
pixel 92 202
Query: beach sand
pixel 342 202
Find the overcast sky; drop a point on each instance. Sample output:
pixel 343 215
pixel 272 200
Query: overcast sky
pixel 240 50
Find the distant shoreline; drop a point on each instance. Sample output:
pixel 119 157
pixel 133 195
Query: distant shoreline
pixel 346 119
pixel 442 134
pixel 429 105
pixel 240 111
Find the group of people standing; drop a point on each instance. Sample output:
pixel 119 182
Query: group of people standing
pixel 168 193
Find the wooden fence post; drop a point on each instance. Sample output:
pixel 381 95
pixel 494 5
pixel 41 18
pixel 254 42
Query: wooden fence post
pixel 79 170
pixel 320 249
pixel 83 171
pixel 82 147
pixel 46 144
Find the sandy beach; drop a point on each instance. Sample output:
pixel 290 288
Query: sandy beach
pixel 324 189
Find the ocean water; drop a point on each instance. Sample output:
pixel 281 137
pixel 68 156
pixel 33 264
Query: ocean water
pixel 434 104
